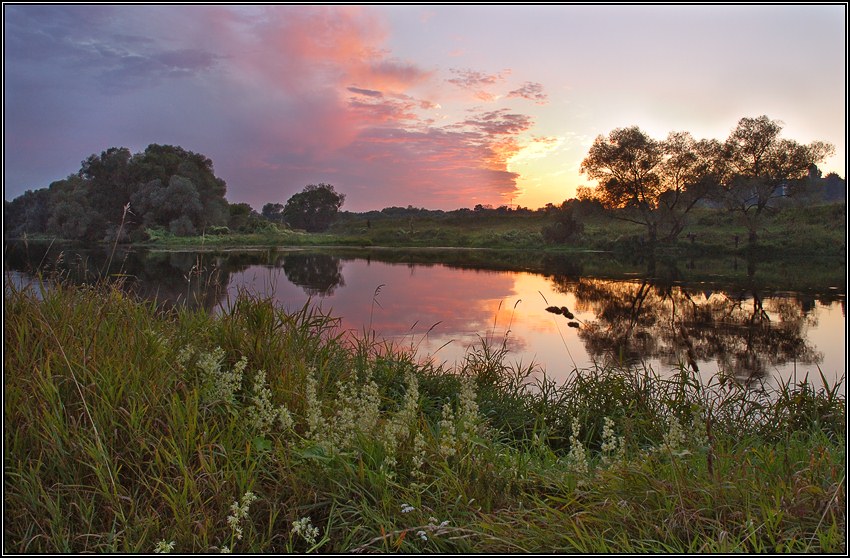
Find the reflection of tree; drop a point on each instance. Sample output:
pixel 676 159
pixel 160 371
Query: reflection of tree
pixel 170 278
pixel 316 274
pixel 743 331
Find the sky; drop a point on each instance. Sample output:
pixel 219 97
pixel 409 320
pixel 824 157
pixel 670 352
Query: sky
pixel 441 106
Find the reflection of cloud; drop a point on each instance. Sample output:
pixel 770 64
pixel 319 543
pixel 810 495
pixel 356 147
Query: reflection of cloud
pixel 531 91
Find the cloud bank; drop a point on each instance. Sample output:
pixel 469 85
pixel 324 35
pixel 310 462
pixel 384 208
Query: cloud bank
pixel 277 96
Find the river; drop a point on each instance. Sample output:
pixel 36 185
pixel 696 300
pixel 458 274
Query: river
pixel 736 319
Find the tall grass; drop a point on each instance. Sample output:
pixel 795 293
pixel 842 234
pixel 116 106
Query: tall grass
pixel 132 428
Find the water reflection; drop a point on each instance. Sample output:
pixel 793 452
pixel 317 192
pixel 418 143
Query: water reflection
pixel 722 316
pixel 316 274
pixel 655 317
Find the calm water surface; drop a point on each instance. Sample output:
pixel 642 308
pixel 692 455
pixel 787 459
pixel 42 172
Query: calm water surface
pixel 724 317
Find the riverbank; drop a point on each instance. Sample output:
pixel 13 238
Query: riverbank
pixel 259 430
pixel 790 231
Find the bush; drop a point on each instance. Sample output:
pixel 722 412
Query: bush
pixel 182 226
pixel 564 229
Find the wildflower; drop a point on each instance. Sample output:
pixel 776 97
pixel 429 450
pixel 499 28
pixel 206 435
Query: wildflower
pixel 407 508
pixel 305 528
pixel 224 550
pixel 611 444
pixel 163 547
pixel 398 427
pixel 418 459
pixel 358 411
pixel 447 432
pixel 262 414
pixel 577 457
pixel 239 511
pixel 184 355
pixel 674 439
pixel 422 535
pixel 218 384
pixel 315 420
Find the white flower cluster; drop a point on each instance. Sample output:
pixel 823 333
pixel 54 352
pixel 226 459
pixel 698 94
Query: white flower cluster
pixel 577 457
pixel 220 385
pixel 239 512
pixel 304 527
pixel 163 547
pixel 467 409
pixel 674 439
pixel 418 459
pixel 262 414
pixel 613 447
pixel 358 411
pixel 435 526
pixel 447 432
pixel 184 355
pixel 460 427
pixel 315 420
pixel 398 428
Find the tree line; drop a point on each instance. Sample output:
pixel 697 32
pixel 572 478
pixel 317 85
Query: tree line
pixel 117 195
pixel 656 183
pixel 122 196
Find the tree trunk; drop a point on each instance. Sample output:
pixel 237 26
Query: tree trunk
pixel 652 234
pixel 753 237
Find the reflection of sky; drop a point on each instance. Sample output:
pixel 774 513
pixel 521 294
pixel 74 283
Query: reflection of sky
pixel 468 305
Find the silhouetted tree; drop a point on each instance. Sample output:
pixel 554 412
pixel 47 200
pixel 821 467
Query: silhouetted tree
pixel 565 228
pixel 273 212
pixel 314 208
pixel 653 183
pixel 761 166
pixel 28 213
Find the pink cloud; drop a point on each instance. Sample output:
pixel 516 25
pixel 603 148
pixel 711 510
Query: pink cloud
pixel 295 95
pixel 340 108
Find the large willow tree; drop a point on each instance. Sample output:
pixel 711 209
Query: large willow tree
pixel 651 182
pixel 762 166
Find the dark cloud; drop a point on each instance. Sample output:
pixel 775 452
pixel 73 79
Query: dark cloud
pixel 499 122
pixel 83 42
pixel 531 91
pixel 366 92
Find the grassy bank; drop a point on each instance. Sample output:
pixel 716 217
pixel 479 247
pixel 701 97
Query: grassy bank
pixel 130 429
pixel 791 231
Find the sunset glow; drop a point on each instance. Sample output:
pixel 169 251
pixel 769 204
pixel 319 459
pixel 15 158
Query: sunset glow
pixel 432 106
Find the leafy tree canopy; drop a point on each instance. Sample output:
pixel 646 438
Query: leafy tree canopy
pixel 164 186
pixel 314 208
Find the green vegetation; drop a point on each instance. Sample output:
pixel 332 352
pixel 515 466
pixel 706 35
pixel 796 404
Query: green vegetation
pixel 786 232
pixel 130 428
